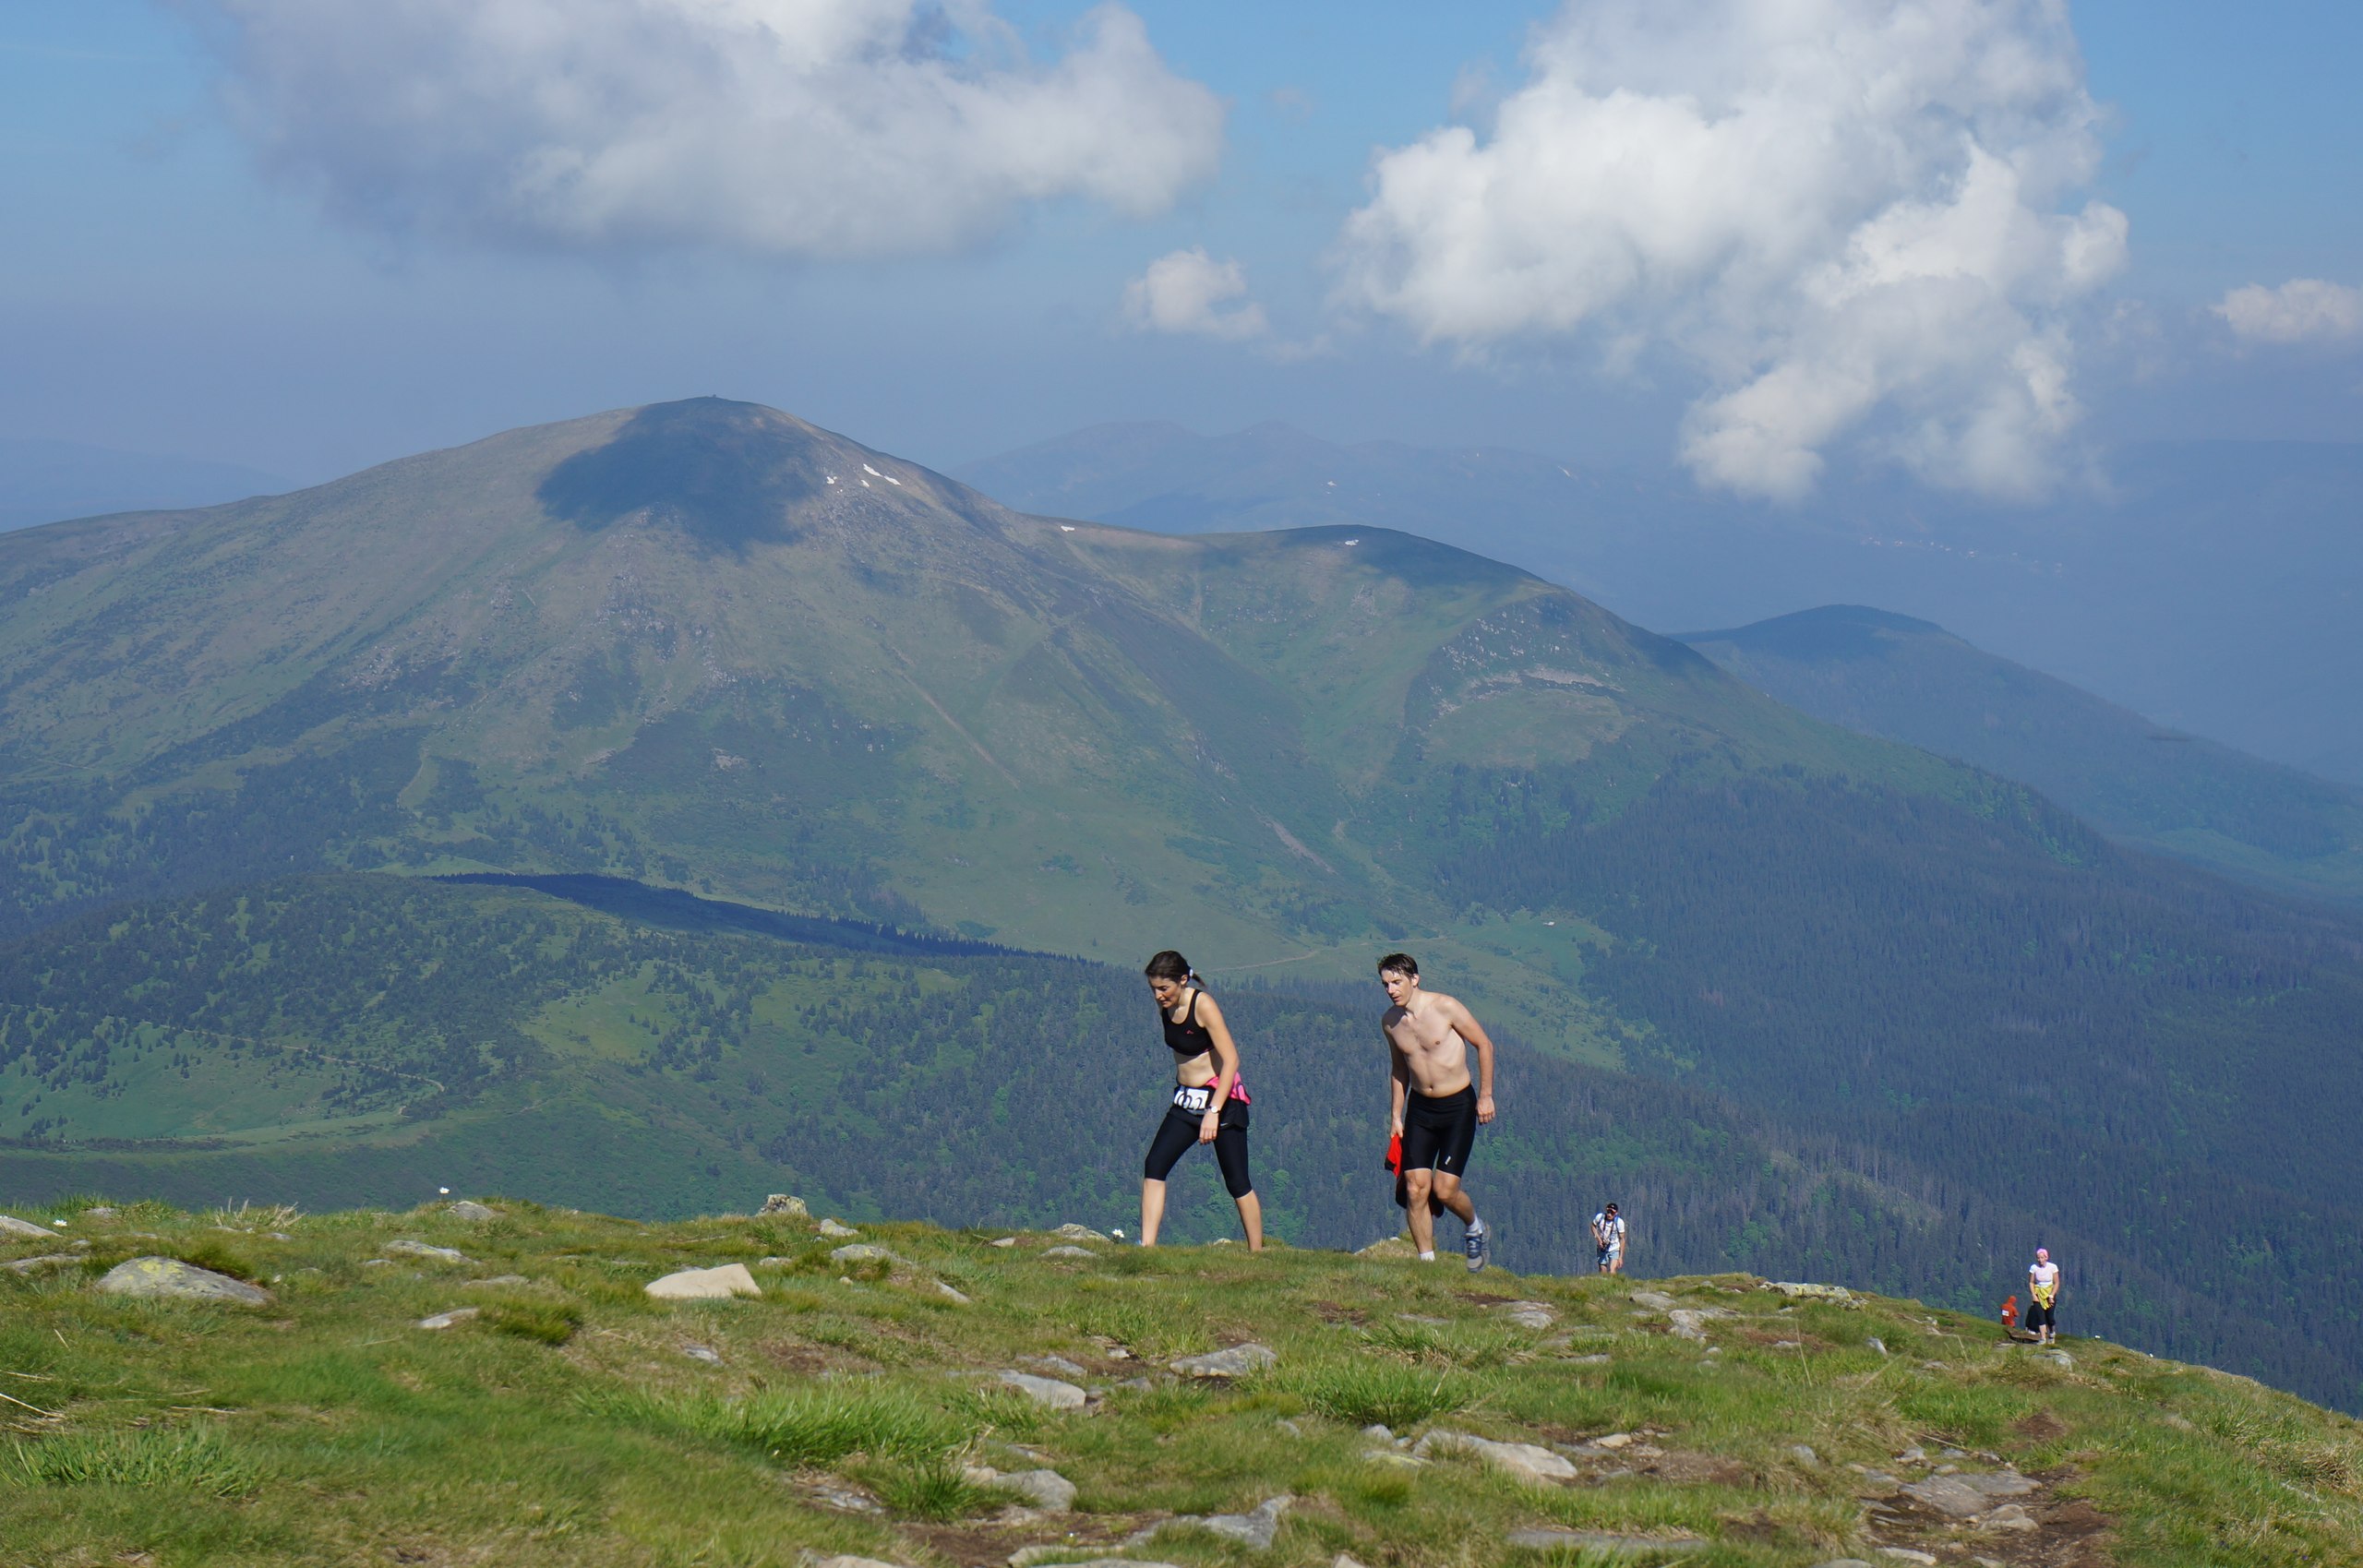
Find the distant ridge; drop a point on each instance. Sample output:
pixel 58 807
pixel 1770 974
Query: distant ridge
pixel 1911 680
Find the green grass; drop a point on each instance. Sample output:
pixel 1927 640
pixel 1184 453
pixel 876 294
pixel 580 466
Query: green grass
pixel 567 1426
pixel 197 1458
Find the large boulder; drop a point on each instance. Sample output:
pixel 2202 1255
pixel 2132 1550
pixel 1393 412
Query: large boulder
pixel 11 1225
pixel 780 1205
pixel 705 1284
pixel 171 1279
pixel 473 1212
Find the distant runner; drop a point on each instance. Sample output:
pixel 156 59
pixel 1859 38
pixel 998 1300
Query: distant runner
pixel 2043 1288
pixel 1436 1108
pixel 1608 1235
pixel 1209 1102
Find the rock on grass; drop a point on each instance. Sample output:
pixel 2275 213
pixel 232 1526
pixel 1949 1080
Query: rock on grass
pixel 171 1279
pixel 705 1284
pixel 1236 1362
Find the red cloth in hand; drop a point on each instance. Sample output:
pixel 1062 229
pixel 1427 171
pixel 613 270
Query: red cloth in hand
pixel 1395 1153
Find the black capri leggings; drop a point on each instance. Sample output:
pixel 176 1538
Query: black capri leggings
pixel 1179 1133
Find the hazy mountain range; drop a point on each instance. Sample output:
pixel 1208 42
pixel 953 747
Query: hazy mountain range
pixel 2211 585
pixel 1912 681
pixel 49 481
pixel 1817 995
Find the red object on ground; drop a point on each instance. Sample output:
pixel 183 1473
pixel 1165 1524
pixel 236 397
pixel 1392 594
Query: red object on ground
pixel 1394 1154
pixel 2010 1312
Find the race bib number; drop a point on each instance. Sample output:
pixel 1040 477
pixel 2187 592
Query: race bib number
pixel 1194 1101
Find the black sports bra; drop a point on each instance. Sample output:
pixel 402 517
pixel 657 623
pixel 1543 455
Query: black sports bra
pixel 1188 1038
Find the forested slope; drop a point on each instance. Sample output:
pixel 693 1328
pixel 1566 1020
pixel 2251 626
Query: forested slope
pixel 365 1039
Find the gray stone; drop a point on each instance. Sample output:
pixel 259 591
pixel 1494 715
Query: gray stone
pixel 446 1320
pixel 1949 1494
pixel 98 1211
pixel 172 1279
pixel 1379 1432
pixel 1906 1554
pixel 1875 1343
pixel 473 1212
pixel 2059 1357
pixel 1073 1232
pixel 1236 1362
pixel 862 1252
pixel 779 1204
pixel 1843 1563
pixel 1254 1531
pixel 1047 1489
pixel 1069 1252
pixel 1655 1300
pixel 1386 1247
pixel 421 1249
pixel 705 1284
pixel 1059 1364
pixel 1797 1291
pixel 2009 1516
pixel 1529 1314
pixel 1003 1241
pixel 1046 1391
pixel 11 1225
pixel 1804 1455
pixel 42 1264
pixel 1591 1360
pixel 1690 1322
pixel 2009 1483
pixel 1526 1461
pixel 833 1227
pixel 949 1295
pixel 705 1353
pixel 1598 1542
pixel 498 1282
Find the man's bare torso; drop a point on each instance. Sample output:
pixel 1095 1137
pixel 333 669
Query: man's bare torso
pixel 1436 1058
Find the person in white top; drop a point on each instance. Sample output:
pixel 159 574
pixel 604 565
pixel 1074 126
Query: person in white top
pixel 1608 1235
pixel 2043 1288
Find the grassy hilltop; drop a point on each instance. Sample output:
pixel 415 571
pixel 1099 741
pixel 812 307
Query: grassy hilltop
pixel 855 1406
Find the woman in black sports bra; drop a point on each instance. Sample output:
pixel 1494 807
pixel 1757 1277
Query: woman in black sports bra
pixel 1209 1103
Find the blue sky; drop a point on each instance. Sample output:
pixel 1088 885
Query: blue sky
pixel 286 286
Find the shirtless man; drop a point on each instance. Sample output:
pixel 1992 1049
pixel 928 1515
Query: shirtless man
pixel 1435 1107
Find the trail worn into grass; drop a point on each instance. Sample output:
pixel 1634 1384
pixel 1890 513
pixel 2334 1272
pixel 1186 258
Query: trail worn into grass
pixel 857 1406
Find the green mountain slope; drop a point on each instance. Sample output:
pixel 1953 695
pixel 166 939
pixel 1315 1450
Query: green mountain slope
pixel 519 1398
pixel 1909 680
pixel 706 644
pixel 1866 1003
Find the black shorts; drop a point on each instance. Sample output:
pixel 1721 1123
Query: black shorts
pixel 2040 1317
pixel 1178 1134
pixel 1437 1134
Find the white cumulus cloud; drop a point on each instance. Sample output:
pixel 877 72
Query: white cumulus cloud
pixel 1854 215
pixel 2303 310
pixel 1189 290
pixel 776 127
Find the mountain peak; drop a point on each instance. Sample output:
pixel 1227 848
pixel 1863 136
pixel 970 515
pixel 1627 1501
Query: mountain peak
pixel 1829 631
pixel 725 473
